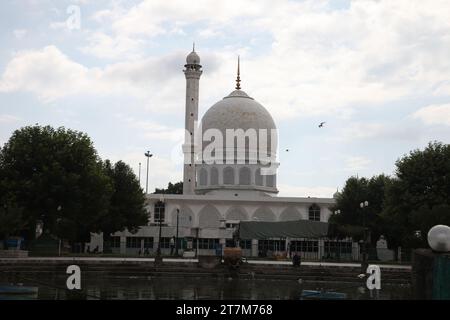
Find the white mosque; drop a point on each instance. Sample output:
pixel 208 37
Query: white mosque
pixel 218 196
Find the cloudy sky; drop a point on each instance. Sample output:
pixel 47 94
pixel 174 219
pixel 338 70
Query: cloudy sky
pixel 378 73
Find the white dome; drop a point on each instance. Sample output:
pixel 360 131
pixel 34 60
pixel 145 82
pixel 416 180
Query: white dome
pixel 251 170
pixel 238 111
pixel 193 58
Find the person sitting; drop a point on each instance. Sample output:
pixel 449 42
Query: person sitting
pixel 172 245
pixel 296 260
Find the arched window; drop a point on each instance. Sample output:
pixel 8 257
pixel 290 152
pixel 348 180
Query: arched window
pixel 258 177
pixel 314 213
pixel 228 175
pixel 203 177
pixel 244 176
pixel 160 209
pixel 214 176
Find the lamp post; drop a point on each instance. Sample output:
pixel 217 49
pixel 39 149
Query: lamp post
pixel 148 155
pixel 139 174
pixel 337 211
pixel 364 262
pixel 176 239
pixel 158 252
pixel 59 240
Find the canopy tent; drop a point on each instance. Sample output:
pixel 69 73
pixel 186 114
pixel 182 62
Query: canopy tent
pixel 294 229
pixel 284 229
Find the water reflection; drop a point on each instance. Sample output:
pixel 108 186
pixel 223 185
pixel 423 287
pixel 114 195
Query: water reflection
pixel 207 288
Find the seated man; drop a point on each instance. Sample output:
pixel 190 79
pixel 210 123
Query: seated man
pixel 296 260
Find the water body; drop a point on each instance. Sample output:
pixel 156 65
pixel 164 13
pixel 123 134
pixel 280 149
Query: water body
pixel 201 289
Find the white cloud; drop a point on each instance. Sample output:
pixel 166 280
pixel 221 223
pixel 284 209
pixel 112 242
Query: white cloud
pixel 161 170
pixel 20 33
pixel 434 114
pixel 154 130
pixel 401 130
pixel 47 72
pixel 321 61
pixel 7 118
pixel 104 46
pixel 355 163
pixel 52 75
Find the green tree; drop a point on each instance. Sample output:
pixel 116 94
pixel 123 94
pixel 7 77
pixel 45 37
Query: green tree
pixel 56 176
pixel 126 208
pixel 176 188
pixel 420 195
pixel 11 221
pixel 11 216
pixel 355 191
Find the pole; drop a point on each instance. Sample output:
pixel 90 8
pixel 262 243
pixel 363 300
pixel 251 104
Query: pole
pixel 148 155
pixel 159 241
pixel 139 174
pixel 146 182
pixel 176 240
pixel 364 262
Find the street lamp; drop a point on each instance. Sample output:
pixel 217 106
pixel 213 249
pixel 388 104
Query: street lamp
pixel 139 174
pixel 161 200
pixel 337 211
pixel 176 240
pixel 148 155
pixel 364 262
pixel 58 220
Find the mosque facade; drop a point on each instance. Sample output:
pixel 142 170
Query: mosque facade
pixel 225 185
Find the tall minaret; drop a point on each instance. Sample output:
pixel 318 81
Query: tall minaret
pixel 192 72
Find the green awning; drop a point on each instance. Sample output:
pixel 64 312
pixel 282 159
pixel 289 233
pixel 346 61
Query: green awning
pixel 284 229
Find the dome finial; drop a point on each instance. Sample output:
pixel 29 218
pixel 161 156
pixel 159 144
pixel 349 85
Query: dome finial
pixel 238 79
pixel 193 46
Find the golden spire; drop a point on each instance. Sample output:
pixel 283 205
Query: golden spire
pixel 238 79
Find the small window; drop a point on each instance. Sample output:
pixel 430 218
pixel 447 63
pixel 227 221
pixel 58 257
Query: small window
pixel 115 242
pixel 159 211
pixel 133 242
pixel 148 242
pixel 314 213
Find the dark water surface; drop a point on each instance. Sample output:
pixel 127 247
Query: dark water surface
pixel 193 288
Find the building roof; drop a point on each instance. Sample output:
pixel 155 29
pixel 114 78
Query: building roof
pixel 225 198
pixel 283 229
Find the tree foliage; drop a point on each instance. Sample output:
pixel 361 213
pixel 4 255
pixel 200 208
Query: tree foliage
pixel 420 195
pixel 176 188
pixel 355 191
pixel 126 208
pixel 402 208
pixel 56 176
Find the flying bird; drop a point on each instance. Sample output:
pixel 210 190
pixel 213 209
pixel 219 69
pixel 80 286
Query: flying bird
pixel 321 124
pixel 287 150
